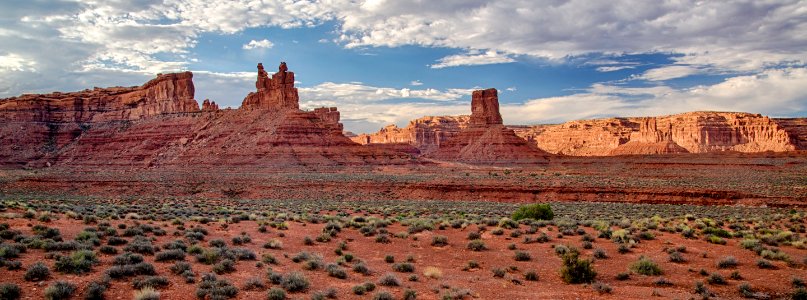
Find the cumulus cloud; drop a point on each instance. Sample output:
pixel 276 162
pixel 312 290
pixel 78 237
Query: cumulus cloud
pixel 473 58
pixel 668 72
pixel 359 92
pixel 776 92
pixel 262 44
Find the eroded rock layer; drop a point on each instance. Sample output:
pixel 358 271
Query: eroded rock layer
pixel 485 139
pixel 159 124
pixel 426 134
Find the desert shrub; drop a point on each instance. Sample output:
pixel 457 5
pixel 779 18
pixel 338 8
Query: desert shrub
pixel 677 257
pixel 715 240
pixel 147 293
pixel 404 267
pixel 224 266
pixel 10 291
pixel 727 262
pixel 128 258
pixel 95 291
pixel 60 290
pixel 268 259
pixel 37 272
pixel 243 254
pixel 253 283
pixel 361 268
pixel 180 267
pixel 212 288
pixel 645 266
pixel 383 296
pixel 295 282
pixel 276 294
pixel 173 254
pixel 150 281
pixel 716 278
pixel 622 276
pixel 474 235
pixel 531 276
pixel 799 294
pixel 336 271
pixel 78 262
pixel 476 245
pixel 410 294
pixel 661 281
pixel 600 254
pixel 765 264
pixel 140 245
pixel 141 268
pixel 498 272
pixel 537 211
pixel 389 279
pixel 383 238
pixel 576 270
pixel 106 249
pixel 439 240
pixel 116 241
pixel 602 288
pixel 522 256
pixel 389 259
pixel 218 243
pixel 12 265
pixel 359 289
pixel 209 256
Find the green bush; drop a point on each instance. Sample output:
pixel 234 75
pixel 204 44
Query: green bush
pixel 276 294
pixel 537 211
pixel 476 245
pixel 646 266
pixel 576 270
pixel 37 272
pixel 9 291
pixel 78 262
pixel 213 288
pixel 295 282
pixel 60 290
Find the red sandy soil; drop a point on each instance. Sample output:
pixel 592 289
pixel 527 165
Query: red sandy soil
pixel 449 259
pixel 772 179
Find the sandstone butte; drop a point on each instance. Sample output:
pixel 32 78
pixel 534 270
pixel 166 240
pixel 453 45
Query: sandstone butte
pixel 160 124
pixel 693 132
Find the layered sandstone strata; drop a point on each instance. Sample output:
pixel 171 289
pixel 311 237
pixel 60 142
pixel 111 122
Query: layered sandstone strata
pixel 486 139
pixel 426 134
pixel 160 125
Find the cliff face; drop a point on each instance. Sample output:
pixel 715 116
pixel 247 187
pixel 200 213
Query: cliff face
pixel 426 134
pixel 160 125
pixel 485 139
pixel 694 132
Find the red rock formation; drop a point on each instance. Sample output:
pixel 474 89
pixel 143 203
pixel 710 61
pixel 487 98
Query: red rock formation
pixel 695 132
pixel 208 105
pixel 276 93
pixel 427 133
pixel 486 140
pixel 142 127
pixel 485 108
pixel 796 128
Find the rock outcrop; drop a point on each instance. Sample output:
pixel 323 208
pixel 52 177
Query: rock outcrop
pixel 694 132
pixel 486 140
pixel 276 93
pixel 160 125
pixel 426 134
pixel 208 105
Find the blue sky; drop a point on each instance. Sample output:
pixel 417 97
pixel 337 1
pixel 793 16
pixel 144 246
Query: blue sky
pixel 385 62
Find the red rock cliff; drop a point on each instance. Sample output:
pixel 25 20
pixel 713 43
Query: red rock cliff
pixel 486 140
pixel 694 132
pixel 426 134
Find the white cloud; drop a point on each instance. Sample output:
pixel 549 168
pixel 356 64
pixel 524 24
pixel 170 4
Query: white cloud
pixel 668 72
pixel 473 58
pixel 511 89
pixel 614 68
pixel 416 83
pixel 777 92
pixel 262 44
pixel 14 62
pixel 359 92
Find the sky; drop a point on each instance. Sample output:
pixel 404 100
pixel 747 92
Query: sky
pixel 387 62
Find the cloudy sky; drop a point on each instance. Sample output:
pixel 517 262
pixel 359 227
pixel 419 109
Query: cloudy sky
pixel 385 62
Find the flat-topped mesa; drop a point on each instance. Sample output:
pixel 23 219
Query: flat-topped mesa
pixel 166 94
pixel 426 133
pixel 485 108
pixel 277 93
